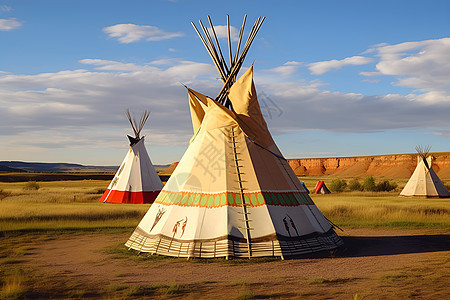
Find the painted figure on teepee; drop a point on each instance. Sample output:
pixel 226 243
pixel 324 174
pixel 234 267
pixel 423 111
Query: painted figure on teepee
pixel 136 181
pixel 233 194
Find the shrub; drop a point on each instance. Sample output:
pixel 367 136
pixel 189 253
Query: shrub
pixel 3 194
pixel 355 185
pixel 385 186
pixel 99 191
pixel 338 185
pixel 369 184
pixel 31 185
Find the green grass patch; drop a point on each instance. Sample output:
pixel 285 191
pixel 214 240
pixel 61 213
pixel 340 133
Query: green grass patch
pixel 246 295
pixel 13 287
pixel 240 282
pixel 119 251
pixel 328 281
pixel 9 261
pixel 151 290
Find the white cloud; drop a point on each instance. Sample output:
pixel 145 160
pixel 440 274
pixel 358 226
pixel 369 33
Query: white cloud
pixel 83 109
pixel 222 33
pixel 130 33
pixel 321 67
pixel 9 24
pixel 108 65
pixel 370 74
pixel 5 8
pixel 83 98
pixel 423 65
pixel 287 68
pixel 305 106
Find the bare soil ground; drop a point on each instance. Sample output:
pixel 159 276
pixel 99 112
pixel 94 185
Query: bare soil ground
pixel 378 264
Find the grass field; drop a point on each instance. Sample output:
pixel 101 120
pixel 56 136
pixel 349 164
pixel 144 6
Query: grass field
pixel 63 205
pixel 64 209
pixel 73 205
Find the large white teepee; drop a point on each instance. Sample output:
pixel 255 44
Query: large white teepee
pixel 136 181
pixel 233 193
pixel 424 182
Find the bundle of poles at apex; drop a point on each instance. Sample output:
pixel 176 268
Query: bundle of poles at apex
pixel 228 73
pixel 137 127
pixel 423 154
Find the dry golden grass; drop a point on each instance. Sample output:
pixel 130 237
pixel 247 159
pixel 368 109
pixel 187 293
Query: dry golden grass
pixel 64 205
pixel 72 205
pixel 361 209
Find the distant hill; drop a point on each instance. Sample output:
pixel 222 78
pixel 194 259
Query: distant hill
pixel 21 166
pixel 9 169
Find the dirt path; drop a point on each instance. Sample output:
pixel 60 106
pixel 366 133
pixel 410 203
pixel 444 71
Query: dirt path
pixel 391 264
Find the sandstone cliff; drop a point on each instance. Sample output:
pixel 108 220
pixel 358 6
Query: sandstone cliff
pixel 392 166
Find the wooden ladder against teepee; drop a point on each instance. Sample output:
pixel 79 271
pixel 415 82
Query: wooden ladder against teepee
pixel 245 213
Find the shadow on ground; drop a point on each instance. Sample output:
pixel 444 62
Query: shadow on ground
pixel 357 246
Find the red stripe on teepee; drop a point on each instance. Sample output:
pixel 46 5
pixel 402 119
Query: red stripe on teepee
pixel 114 196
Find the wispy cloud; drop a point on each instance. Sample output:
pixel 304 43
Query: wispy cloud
pixel 83 98
pixel 5 8
pixel 109 65
pixel 9 24
pixel 423 65
pixel 76 107
pixel 321 67
pixel 222 32
pixel 308 106
pixel 287 68
pixel 130 33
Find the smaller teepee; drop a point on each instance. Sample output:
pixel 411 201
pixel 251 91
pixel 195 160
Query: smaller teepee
pixel 424 182
pixel 321 188
pixel 136 181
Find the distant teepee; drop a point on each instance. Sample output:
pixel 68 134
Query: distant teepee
pixel 321 188
pixel 233 193
pixel 136 181
pixel 424 182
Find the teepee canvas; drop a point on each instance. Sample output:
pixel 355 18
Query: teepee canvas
pixel 136 181
pixel 424 182
pixel 304 186
pixel 321 188
pixel 232 194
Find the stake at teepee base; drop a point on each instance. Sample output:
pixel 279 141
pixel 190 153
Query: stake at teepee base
pixel 136 181
pixel 424 182
pixel 232 194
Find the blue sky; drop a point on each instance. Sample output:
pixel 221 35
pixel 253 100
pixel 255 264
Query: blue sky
pixel 335 78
